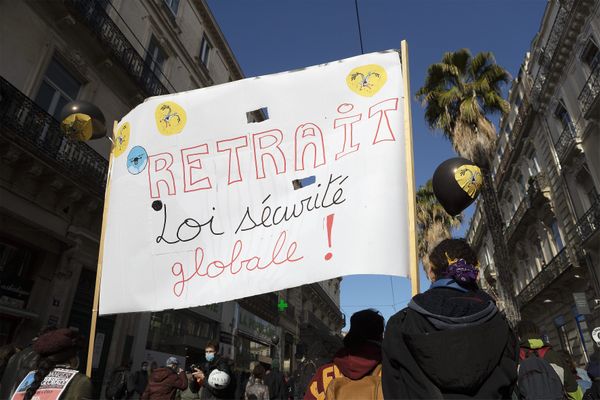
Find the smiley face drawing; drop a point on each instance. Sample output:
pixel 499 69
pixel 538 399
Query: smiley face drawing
pixel 122 139
pixel 137 160
pixel 170 118
pixel 366 80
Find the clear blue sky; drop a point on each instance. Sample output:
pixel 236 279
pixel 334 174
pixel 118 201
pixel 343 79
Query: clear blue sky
pixel 269 36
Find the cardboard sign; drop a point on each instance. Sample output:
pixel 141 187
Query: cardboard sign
pixel 51 387
pixel 206 204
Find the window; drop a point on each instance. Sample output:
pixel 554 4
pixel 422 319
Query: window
pixel 173 5
pixel 205 47
pixel 534 166
pixel 521 184
pixel 57 89
pixel 155 58
pixel 519 101
pixel 556 235
pixel 564 117
pixel 590 54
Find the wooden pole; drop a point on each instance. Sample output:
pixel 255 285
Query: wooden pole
pixel 410 173
pixel 88 369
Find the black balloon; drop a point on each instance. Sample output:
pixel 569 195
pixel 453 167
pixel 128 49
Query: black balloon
pixel 81 120
pixel 456 183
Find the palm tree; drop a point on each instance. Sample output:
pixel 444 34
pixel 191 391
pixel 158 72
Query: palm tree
pixel 434 224
pixel 457 95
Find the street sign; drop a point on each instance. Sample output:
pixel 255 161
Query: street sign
pixel 581 302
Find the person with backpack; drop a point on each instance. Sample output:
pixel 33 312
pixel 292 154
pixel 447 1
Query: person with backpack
pixel 164 382
pixel 256 387
pixel 355 372
pixel 117 387
pixel 56 369
pixel 543 372
pixel 450 341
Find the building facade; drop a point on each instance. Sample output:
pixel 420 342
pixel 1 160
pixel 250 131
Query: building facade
pixel 547 179
pixel 113 53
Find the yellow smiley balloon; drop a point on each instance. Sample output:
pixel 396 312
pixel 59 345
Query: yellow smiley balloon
pixel 122 139
pixel 366 80
pixel 170 118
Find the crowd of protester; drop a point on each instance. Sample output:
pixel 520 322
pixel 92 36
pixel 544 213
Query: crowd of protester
pixel 450 342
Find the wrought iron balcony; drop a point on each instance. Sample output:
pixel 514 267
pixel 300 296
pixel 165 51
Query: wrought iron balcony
pixel 589 223
pixel 549 273
pixel 28 125
pixel 546 58
pixel 503 166
pixel 566 141
pixel 517 130
pixel 108 33
pixel 516 218
pixel 590 91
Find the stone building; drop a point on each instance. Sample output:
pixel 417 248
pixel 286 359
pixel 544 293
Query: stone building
pixel 113 53
pixel 547 179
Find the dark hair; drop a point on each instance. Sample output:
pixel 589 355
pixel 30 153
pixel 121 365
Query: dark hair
pixel 214 344
pixel 258 371
pixel 364 325
pixel 453 249
pixel 526 328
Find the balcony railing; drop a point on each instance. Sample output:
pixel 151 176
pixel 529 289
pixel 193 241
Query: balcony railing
pixel 565 141
pixel 517 217
pixel 549 273
pixel 590 91
pixel 589 223
pixel 546 58
pixel 517 130
pixel 24 122
pixel 108 33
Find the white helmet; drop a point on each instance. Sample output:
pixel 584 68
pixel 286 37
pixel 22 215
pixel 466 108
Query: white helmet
pixel 218 379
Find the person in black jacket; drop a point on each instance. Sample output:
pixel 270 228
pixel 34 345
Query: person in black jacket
pixel 214 388
pixel 451 341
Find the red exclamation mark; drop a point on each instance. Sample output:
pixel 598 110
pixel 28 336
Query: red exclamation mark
pixel 329 226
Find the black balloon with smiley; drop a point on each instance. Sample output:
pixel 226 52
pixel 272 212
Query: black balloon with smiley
pixel 456 184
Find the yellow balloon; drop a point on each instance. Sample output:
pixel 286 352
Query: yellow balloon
pixel 122 139
pixel 469 178
pixel 366 80
pixel 77 126
pixel 170 118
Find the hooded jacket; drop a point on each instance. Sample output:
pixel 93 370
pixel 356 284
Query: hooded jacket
pixel 353 363
pixel 449 343
pixel 163 384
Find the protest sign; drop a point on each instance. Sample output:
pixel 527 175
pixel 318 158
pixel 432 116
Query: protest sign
pixel 206 204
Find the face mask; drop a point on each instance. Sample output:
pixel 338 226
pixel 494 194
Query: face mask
pixel 209 356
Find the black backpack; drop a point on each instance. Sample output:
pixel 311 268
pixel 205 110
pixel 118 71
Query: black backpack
pixel 537 379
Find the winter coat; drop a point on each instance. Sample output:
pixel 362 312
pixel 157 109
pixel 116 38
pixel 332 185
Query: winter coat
pixel 138 382
pixel 557 362
pixel 354 363
pixel 257 388
pixel 276 384
pixel 593 393
pixel 79 388
pixel 208 393
pixel 163 384
pixel 16 370
pixel 449 343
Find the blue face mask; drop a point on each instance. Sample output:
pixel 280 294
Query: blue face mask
pixel 209 356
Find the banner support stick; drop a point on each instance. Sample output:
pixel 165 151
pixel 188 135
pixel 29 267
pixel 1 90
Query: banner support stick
pixel 90 355
pixel 410 173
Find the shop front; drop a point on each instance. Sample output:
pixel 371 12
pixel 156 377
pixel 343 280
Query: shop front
pixel 254 341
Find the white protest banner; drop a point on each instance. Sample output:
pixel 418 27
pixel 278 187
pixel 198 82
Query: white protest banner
pixel 206 206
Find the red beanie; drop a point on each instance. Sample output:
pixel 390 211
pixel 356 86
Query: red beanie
pixel 57 341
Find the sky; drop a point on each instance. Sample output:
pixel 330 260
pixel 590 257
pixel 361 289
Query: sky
pixel 269 36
